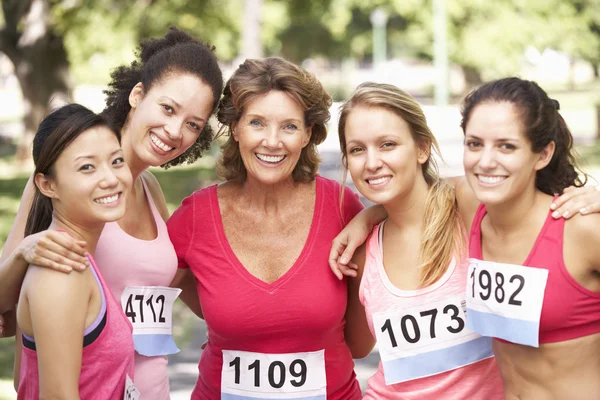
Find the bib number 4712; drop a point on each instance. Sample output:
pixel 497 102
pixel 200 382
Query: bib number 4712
pixel 148 303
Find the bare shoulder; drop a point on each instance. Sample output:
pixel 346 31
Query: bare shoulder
pixel 582 238
pixel 467 202
pixel 583 229
pixel 48 290
pixel 156 193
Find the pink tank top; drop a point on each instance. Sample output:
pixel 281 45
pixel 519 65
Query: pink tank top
pixel 251 323
pixel 569 310
pixel 407 323
pixel 107 356
pixel 127 261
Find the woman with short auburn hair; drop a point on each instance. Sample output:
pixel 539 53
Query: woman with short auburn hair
pixel 258 244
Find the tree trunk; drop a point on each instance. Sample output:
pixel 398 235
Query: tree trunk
pixel 40 62
pixel 251 40
pixel 472 77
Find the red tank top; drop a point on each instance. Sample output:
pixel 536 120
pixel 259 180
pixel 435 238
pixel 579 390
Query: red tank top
pixel 569 310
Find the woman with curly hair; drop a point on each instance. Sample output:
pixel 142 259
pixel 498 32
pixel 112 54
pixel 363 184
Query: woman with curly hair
pixel 161 104
pixel 258 245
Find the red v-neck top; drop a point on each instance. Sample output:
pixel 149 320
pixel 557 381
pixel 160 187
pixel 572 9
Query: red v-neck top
pixel 302 311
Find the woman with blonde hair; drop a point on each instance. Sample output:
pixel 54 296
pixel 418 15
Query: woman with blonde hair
pixel 258 246
pixel 413 267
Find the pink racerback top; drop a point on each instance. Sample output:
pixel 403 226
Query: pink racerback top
pixel 127 261
pixel 107 356
pixel 478 380
pixel 569 310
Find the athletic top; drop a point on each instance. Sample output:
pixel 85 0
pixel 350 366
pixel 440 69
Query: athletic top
pixel 126 261
pixel 435 356
pixel 280 339
pixel 568 310
pixel 107 356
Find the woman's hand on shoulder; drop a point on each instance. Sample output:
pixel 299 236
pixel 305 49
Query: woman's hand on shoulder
pixel 350 238
pixel 54 250
pixel 577 200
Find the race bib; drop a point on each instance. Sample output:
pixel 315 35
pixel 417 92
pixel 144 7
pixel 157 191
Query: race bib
pixel 253 376
pixel 505 301
pixel 131 392
pixel 150 310
pixel 426 340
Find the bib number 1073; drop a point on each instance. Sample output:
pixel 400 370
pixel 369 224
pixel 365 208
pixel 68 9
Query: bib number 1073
pixel 410 328
pixel 483 286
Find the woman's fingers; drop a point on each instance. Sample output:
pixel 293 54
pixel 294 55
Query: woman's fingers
pixel 58 251
pixel 583 200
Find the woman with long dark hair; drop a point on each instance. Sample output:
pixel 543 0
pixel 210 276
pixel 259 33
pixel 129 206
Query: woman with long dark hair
pixel 77 342
pixel 161 104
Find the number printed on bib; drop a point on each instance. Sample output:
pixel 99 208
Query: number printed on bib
pixel 150 311
pixel 249 376
pixel 505 301
pixel 131 392
pixel 426 340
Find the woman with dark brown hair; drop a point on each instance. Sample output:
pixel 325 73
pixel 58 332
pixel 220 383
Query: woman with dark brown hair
pixel 258 245
pixel 534 281
pixel 160 104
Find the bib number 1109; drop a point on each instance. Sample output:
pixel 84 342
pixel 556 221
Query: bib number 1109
pixel 277 372
pixel 261 376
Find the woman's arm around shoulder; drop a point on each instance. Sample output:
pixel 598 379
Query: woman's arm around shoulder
pixel 356 332
pixel 53 308
pixel 48 249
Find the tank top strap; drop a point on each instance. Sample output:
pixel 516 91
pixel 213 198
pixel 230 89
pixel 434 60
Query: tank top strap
pixel 161 226
pixel 475 236
pixel 554 227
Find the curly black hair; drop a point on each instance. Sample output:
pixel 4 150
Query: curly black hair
pixel 177 51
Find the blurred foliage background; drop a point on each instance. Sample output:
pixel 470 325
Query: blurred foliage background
pixel 63 50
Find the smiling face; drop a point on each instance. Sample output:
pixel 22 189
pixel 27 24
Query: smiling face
pixel 90 180
pixel 383 158
pixel 498 160
pixel 271 134
pixel 165 121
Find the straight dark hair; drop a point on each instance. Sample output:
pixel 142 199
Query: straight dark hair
pixel 55 133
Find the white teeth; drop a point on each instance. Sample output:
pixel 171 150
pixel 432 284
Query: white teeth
pixel 490 179
pixel 378 180
pixel 159 143
pixel 107 200
pixel 270 159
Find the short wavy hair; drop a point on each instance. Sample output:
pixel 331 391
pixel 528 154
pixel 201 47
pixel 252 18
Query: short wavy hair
pixel 256 77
